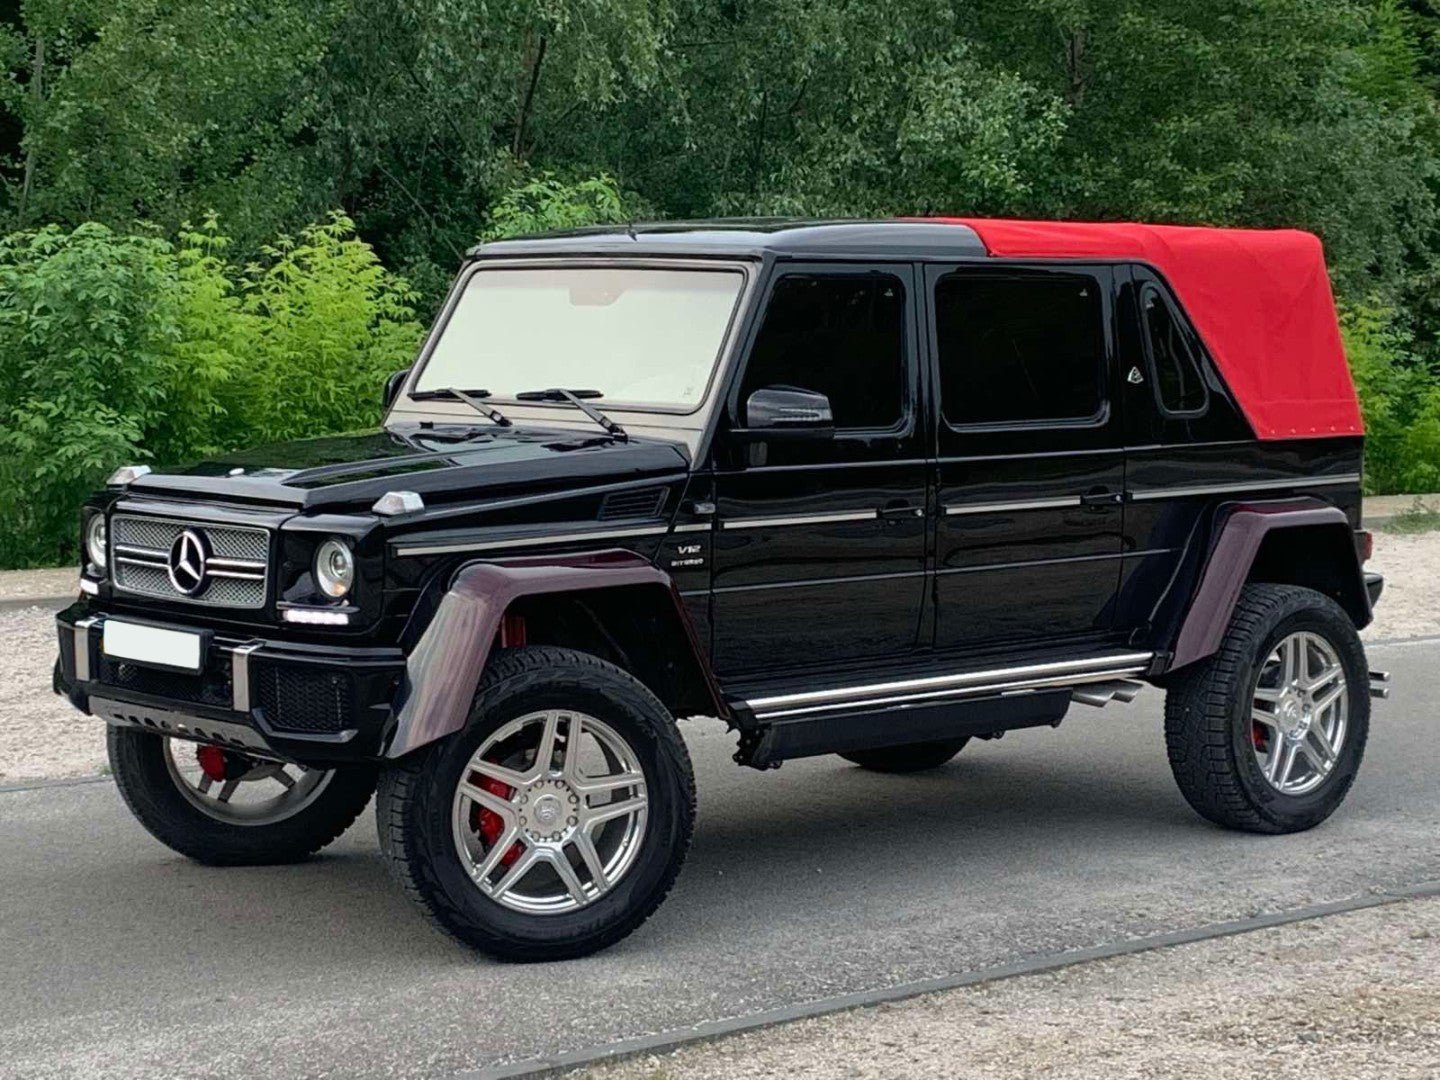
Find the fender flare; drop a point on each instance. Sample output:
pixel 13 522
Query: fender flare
pixel 1228 566
pixel 444 668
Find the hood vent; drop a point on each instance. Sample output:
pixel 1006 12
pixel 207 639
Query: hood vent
pixel 631 504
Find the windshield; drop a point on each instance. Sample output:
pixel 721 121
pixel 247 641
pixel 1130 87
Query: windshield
pixel 643 337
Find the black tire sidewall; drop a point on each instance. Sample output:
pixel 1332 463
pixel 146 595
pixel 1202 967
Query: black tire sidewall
pixel 635 716
pixel 137 761
pixel 1315 805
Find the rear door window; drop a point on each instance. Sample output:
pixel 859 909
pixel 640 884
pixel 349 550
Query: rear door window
pixel 1019 348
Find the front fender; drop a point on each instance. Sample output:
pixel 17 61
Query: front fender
pixel 444 668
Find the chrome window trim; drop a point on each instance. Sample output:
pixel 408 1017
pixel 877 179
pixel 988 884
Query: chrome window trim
pixel 785 520
pixel 1240 487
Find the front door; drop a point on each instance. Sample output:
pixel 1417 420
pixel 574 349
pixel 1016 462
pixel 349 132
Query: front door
pixel 819 555
pixel 1030 455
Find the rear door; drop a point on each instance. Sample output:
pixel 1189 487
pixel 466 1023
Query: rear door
pixel 819 555
pixel 1030 454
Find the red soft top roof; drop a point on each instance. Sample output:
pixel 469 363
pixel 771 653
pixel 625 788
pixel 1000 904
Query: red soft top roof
pixel 1260 300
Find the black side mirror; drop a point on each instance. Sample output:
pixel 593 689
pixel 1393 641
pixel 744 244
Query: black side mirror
pixel 787 412
pixel 393 385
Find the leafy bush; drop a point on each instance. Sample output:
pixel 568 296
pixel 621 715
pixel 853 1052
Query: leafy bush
pixel 123 349
pixel 547 203
pixel 1400 398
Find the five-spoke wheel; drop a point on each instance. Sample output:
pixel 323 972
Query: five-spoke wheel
pixel 550 812
pixel 555 822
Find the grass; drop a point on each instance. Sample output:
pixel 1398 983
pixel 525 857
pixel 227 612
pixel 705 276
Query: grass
pixel 1417 518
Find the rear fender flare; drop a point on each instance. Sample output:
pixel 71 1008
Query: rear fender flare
pixel 1232 557
pixel 443 670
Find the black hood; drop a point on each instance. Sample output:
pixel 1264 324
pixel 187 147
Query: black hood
pixel 443 462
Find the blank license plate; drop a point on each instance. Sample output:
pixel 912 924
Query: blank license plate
pixel 152 645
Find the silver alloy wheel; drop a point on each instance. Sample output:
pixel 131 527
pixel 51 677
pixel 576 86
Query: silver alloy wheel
pixel 268 792
pixel 561 832
pixel 1299 713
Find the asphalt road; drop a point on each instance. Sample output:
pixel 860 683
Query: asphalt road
pixel 118 958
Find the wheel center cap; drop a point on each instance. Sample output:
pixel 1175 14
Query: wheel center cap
pixel 549 809
pixel 1291 716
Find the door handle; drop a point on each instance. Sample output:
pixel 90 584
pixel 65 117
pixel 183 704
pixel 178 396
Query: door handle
pixel 1101 497
pixel 899 513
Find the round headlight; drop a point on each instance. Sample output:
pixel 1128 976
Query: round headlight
pixel 334 568
pixel 95 546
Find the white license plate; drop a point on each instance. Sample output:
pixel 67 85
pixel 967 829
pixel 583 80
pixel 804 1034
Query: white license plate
pixel 151 645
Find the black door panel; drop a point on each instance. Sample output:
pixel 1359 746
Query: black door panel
pixel 820 550
pixel 1028 534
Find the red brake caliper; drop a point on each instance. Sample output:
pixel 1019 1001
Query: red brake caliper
pixel 491 825
pixel 212 761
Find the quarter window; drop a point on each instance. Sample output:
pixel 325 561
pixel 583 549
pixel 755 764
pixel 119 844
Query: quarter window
pixel 1178 382
pixel 1019 348
pixel 840 335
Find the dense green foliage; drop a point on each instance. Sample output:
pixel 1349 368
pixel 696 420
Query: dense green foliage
pixel 430 123
pixel 121 348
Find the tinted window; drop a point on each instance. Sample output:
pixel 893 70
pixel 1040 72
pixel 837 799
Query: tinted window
pixel 843 336
pixel 1016 349
pixel 1178 382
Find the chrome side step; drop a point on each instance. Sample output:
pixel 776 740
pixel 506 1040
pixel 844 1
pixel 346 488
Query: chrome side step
pixel 1101 694
pixel 1113 669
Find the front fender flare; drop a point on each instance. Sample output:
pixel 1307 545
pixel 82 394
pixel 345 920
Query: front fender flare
pixel 444 668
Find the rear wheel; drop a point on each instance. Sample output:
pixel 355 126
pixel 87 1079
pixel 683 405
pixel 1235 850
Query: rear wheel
pixel 225 808
pixel 912 757
pixel 1267 735
pixel 555 823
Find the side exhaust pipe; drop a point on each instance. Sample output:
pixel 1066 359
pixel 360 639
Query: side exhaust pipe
pixel 1380 684
pixel 1102 693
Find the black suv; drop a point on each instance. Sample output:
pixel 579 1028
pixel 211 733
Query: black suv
pixel 862 488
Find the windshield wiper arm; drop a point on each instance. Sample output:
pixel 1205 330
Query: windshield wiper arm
pixel 469 397
pixel 577 398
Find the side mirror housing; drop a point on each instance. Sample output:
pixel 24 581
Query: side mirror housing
pixel 393 385
pixel 787 412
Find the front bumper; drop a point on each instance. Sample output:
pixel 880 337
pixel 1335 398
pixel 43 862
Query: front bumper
pixel 307 703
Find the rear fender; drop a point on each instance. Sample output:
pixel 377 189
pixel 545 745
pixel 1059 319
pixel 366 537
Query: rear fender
pixel 1265 541
pixel 443 670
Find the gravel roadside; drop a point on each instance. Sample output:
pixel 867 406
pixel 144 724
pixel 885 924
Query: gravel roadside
pixel 1355 995
pixel 42 737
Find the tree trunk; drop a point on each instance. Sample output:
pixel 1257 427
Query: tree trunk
pixel 527 101
pixel 37 99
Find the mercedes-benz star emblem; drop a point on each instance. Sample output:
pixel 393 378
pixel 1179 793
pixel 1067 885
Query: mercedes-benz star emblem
pixel 188 556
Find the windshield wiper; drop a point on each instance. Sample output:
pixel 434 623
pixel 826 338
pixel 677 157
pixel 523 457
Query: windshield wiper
pixel 469 397
pixel 577 398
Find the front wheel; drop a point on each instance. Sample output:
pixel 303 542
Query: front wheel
pixel 225 808
pixel 555 822
pixel 1267 735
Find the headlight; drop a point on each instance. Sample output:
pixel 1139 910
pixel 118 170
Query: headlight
pixel 334 568
pixel 95 541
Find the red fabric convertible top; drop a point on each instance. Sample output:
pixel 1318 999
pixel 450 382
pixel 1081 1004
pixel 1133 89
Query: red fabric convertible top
pixel 1260 300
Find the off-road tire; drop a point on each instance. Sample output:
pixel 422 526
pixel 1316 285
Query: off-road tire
pixel 137 759
pixel 413 808
pixel 911 757
pixel 1207 715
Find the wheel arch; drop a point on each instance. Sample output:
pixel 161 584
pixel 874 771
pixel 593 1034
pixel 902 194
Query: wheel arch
pixel 614 604
pixel 1298 542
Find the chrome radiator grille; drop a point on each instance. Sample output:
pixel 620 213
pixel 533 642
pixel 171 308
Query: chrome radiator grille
pixel 235 565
